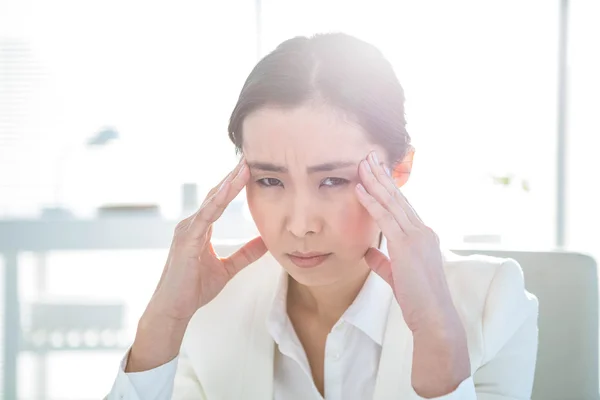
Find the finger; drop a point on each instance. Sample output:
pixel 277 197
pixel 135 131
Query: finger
pixel 201 220
pixel 214 207
pixel 380 264
pixel 381 195
pixel 232 174
pixel 249 253
pixel 397 197
pixel 386 221
pixel 213 192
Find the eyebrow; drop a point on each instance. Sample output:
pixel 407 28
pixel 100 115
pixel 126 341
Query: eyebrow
pixel 325 167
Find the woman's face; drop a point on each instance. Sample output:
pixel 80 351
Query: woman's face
pixel 301 193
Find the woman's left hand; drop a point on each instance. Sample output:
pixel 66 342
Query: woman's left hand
pixel 415 273
pixel 415 267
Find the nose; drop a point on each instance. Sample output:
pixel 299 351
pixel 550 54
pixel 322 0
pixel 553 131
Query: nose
pixel 303 218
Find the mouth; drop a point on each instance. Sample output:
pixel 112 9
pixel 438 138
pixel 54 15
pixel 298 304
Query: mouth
pixel 307 255
pixel 308 260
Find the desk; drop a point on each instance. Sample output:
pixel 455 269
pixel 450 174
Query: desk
pixel 108 233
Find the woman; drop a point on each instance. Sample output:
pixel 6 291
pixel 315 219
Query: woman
pixel 354 299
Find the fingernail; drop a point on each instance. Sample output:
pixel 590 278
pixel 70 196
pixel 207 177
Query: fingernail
pixel 387 170
pixel 375 159
pixel 368 166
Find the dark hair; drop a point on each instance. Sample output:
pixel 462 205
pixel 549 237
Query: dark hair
pixel 339 70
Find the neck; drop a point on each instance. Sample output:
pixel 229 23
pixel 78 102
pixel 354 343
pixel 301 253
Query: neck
pixel 326 303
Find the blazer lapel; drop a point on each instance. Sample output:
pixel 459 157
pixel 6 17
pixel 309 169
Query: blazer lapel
pixel 257 357
pixel 396 357
pixel 233 357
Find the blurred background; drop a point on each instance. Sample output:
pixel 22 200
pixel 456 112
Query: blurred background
pixel 113 126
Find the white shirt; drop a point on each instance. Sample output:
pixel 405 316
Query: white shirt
pixel 352 351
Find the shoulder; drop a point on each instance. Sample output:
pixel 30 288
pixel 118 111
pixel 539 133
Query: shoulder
pixel 490 296
pixel 470 278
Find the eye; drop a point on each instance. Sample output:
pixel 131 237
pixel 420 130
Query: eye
pixel 334 182
pixel 269 182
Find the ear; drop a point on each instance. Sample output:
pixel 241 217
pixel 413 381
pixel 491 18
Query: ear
pixel 402 170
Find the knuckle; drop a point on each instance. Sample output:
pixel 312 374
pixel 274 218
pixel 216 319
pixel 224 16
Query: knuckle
pixel 396 195
pixel 182 226
pixel 372 206
pixel 212 193
pixel 388 202
pixel 389 218
pixel 432 234
pixel 382 176
pixel 208 200
pixel 420 239
pixel 425 236
pixel 373 179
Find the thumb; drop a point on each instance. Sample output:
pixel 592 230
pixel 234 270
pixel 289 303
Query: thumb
pixel 246 255
pixel 380 264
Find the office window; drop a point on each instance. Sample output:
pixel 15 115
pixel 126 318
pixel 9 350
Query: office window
pixel 163 78
pixel 583 128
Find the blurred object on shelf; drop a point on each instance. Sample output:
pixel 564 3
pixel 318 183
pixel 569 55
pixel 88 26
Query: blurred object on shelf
pixel 128 210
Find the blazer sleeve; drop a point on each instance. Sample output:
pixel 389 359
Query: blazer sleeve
pixel 510 334
pixel 174 380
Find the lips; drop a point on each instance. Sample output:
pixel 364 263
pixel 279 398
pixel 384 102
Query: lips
pixel 307 255
pixel 308 260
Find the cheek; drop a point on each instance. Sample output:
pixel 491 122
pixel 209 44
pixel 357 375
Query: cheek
pixel 355 223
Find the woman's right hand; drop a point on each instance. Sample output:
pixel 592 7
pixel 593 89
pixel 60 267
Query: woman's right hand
pixel 193 276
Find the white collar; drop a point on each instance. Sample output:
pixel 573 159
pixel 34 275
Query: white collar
pixel 369 311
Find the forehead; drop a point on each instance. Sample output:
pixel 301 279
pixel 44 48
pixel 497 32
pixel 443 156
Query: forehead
pixel 307 135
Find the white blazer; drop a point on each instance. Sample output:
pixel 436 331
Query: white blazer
pixel 228 353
